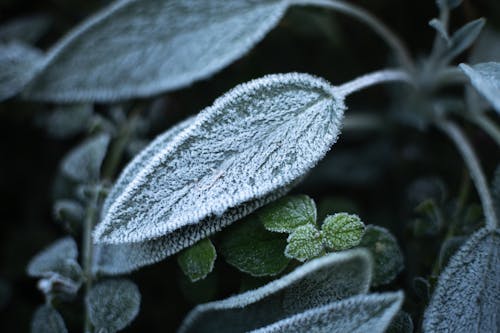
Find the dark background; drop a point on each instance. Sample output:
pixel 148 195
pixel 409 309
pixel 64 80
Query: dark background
pixel 316 41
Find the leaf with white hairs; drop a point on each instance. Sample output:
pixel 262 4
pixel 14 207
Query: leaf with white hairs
pixel 485 77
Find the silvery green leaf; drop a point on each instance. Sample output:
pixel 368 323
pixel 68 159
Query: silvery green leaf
pixel 113 304
pixel 18 64
pixel 464 37
pixel 197 261
pixel 466 296
pixel 256 140
pixel 252 249
pixel 358 314
pixel 26 29
pixel 67 120
pixel 448 4
pixel 286 214
pixel 342 231
pixel 60 257
pixel 83 163
pixel 313 284
pixel 138 48
pixel 387 256
pixel 441 30
pixel 304 243
pixel 47 320
pixel 485 77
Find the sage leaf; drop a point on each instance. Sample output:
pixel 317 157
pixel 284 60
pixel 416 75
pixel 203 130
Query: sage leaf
pixel 315 283
pixel 18 65
pixel 54 259
pixel 288 213
pixel 342 231
pixel 47 320
pixel 113 304
pixel 252 249
pixel 83 163
pixel 485 77
pixel 387 256
pixel 359 314
pixel 305 243
pixel 138 48
pixel 258 139
pixel 463 38
pixel 466 296
pixel 198 260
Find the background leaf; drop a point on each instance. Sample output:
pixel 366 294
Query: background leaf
pixel 54 258
pixel 47 320
pixel 198 260
pixel 342 231
pixel 464 37
pixel 27 29
pixel 288 213
pixel 485 77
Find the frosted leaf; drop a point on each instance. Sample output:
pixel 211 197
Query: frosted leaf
pixel 464 37
pixel 47 320
pixel 18 64
pixel 54 259
pixel 387 256
pixel 67 120
pixel 342 231
pixel 288 213
pixel 113 304
pixel 198 260
pixel 315 283
pixel 359 314
pixel 260 137
pixel 252 249
pixel 138 48
pixel 26 29
pixel 485 77
pixel 466 296
pixel 83 163
pixel 305 243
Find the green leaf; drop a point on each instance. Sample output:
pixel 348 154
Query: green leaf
pixel 252 249
pixel 198 260
pixel 288 213
pixel 113 304
pixel 305 243
pixel 466 296
pixel 387 256
pixel 485 77
pixel 342 231
pixel 316 283
pixel 47 320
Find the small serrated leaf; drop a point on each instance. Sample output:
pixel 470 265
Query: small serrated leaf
pixel 304 243
pixel 47 320
pixel 288 213
pixel 197 260
pixel 466 297
pixel 387 256
pixel 342 231
pixel 54 258
pixel 485 77
pixel 318 282
pixel 363 313
pixel 252 249
pixel 113 304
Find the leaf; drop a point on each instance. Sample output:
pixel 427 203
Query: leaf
pixel 466 296
pixel 138 48
pixel 485 77
pixel 441 30
pixel 305 243
pixel 342 231
pixel 83 163
pixel 448 4
pixel 198 260
pixel 113 304
pixel 69 210
pixel 27 29
pixel 315 283
pixel 288 213
pixel 47 320
pixel 387 256
pixel 359 314
pixel 18 65
pixel 54 259
pixel 464 37
pixel 252 249
pixel 67 120
pixel 247 149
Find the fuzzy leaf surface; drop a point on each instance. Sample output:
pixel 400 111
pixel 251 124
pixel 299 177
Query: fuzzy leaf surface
pixel 254 142
pixel 198 260
pixel 47 320
pixel 59 257
pixel 466 297
pixel 315 283
pixel 113 304
pixel 342 231
pixel 137 48
pixel 358 314
pixel 288 213
pixel 305 243
pixel 485 77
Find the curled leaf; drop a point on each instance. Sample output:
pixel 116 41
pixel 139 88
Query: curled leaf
pixel 288 213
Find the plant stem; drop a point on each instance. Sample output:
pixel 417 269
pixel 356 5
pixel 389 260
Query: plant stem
pixel 367 80
pixel 486 125
pixel 475 170
pixel 364 16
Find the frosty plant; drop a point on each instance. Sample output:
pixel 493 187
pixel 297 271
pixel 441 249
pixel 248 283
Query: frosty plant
pixel 216 183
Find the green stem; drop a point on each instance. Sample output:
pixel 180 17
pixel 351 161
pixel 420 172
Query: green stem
pixel 364 16
pixel 367 80
pixel 475 170
pixel 488 126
